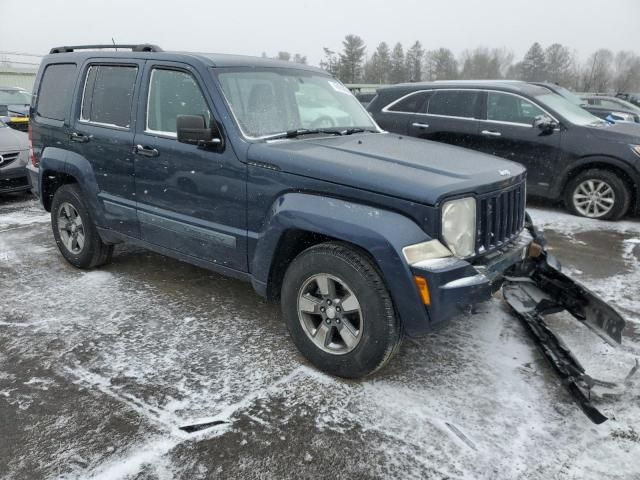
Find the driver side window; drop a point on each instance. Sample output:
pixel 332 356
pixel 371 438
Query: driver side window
pixel 504 107
pixel 173 93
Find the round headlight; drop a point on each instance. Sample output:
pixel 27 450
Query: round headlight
pixel 459 226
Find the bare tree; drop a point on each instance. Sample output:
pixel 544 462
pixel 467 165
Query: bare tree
pixel 597 74
pixel 441 64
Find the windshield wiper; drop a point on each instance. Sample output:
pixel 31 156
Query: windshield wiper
pixel 314 131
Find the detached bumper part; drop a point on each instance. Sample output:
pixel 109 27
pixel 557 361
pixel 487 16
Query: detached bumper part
pixel 537 288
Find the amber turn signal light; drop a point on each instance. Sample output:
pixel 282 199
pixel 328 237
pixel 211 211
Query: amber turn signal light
pixel 423 288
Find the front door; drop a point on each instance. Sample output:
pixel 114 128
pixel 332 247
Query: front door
pixel 190 199
pixel 508 132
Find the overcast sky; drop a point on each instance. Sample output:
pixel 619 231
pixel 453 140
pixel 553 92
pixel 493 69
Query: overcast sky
pixel 304 26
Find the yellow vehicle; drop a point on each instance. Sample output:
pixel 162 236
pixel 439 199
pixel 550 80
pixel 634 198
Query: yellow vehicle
pixel 14 107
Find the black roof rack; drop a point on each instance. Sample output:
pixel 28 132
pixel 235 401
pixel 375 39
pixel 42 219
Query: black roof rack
pixel 142 47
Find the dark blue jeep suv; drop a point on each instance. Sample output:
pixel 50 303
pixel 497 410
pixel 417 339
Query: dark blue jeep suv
pixel 273 173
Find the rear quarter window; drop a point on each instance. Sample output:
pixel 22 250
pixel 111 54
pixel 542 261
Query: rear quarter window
pixel 412 103
pixel 55 90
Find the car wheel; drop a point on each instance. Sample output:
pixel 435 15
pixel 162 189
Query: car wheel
pixel 74 230
pixel 598 194
pixel 339 312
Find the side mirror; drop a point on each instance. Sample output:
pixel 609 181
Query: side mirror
pixel 545 124
pixel 191 129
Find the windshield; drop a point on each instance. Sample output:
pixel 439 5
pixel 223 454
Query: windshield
pixel 569 95
pixel 271 101
pixel 14 97
pixel 570 111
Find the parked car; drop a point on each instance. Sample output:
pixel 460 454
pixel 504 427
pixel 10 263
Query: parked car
pixel 14 107
pixel 570 154
pixel 363 236
pixel 365 97
pixel 630 97
pixel 612 108
pixel 14 155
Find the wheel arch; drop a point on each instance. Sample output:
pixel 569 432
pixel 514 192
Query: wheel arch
pixel 618 167
pixel 298 221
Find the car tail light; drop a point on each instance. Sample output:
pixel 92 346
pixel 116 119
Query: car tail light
pixel 32 156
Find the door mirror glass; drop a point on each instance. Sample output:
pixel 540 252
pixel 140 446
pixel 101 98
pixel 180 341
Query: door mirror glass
pixel 544 124
pixel 192 129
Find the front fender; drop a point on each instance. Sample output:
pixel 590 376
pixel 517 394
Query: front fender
pixel 381 233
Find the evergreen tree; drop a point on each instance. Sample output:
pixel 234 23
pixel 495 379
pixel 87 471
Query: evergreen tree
pixel 352 59
pixel 397 74
pixel 414 62
pixel 534 65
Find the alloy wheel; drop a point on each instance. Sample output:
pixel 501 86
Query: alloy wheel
pixel 71 229
pixel 330 314
pixel 594 198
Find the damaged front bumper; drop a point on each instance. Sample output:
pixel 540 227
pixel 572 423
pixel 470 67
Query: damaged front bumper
pixel 534 286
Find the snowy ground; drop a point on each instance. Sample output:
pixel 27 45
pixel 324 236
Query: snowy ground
pixel 99 369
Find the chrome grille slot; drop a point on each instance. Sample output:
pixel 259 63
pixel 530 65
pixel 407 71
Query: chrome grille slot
pixel 7 158
pixel 500 217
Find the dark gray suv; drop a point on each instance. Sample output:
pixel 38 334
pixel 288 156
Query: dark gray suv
pixel 570 154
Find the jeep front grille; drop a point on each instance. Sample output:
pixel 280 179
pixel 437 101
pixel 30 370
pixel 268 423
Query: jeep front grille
pixel 500 217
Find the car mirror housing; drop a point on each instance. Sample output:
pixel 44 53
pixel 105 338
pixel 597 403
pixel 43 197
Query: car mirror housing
pixel 192 129
pixel 545 124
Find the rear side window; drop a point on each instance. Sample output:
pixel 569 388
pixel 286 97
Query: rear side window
pixel 454 103
pixel 413 103
pixel 173 93
pixel 108 94
pixel 55 90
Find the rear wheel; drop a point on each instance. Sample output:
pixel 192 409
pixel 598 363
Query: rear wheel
pixel 598 194
pixel 339 312
pixel 74 231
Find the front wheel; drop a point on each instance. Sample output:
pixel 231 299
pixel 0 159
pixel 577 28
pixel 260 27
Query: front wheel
pixel 598 194
pixel 339 312
pixel 74 230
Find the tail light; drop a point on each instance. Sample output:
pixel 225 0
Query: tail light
pixel 32 156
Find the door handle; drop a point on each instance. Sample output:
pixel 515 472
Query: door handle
pixel 420 125
pixel 491 133
pixel 146 151
pixel 79 137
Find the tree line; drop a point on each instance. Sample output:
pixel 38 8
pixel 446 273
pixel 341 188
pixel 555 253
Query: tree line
pixel 603 70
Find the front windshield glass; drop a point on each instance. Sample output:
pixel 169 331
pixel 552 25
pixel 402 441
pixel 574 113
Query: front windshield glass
pixel 271 101
pixel 571 112
pixel 14 97
pixel 569 95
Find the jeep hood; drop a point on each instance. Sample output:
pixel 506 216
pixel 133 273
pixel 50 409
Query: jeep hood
pixel 402 167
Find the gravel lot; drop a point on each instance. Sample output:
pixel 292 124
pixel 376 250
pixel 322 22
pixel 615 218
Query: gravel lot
pixel 99 369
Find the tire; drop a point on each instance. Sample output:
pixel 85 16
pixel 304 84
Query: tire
pixel 68 206
pixel 611 206
pixel 379 332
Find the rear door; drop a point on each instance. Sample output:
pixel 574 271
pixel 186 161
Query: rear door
pixel 401 113
pixel 508 132
pixel 191 199
pixel 102 132
pixel 449 116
